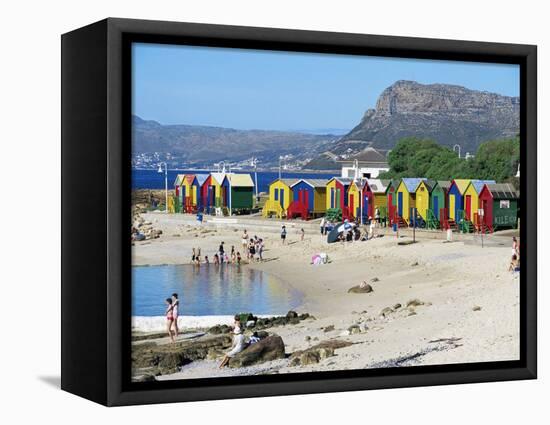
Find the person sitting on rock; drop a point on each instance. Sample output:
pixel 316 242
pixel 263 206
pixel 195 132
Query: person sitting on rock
pixel 238 343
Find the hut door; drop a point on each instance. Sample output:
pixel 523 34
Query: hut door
pixel 468 206
pixel 183 195
pixel 332 197
pixel 351 204
pixel 452 212
pixel 282 197
pixel 366 206
pixel 306 198
pixel 338 204
pixel 390 204
pixel 400 204
pixel 436 206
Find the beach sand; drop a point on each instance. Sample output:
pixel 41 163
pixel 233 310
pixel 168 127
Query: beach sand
pixel 469 302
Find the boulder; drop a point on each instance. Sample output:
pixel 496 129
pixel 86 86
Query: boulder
pixel 267 349
pixel 360 289
pixel 385 312
pixel 354 329
pixel 328 328
pixel 397 306
pixel 291 315
pixel 317 353
pixel 414 303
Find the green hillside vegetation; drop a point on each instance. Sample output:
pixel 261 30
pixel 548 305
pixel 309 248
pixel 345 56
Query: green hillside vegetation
pixel 414 157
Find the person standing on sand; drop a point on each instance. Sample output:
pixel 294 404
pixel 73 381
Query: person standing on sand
pixel 322 226
pixel 377 216
pixel 169 318
pixel 238 343
pixel 261 249
pixel 302 234
pixel 233 257
pixel 221 252
pixel 244 240
pixel 283 234
pixel 515 247
pixel 175 305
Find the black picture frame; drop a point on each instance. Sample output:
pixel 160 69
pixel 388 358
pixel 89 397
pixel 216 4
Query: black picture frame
pixel 95 283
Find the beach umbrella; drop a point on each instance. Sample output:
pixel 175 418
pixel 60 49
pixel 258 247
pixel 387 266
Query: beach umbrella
pixel 338 229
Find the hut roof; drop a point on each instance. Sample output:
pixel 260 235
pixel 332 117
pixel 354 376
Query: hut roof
pixel 288 182
pixel 313 182
pixel 412 183
pixel 179 179
pixel 240 180
pixel 201 178
pixel 218 177
pixel 503 191
pixel 189 178
pixel 368 157
pixel 378 186
pixel 343 180
pixel 478 184
pixel 445 184
pixel 430 184
pixel 461 184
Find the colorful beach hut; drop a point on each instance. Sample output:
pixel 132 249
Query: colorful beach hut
pixel 210 194
pixel 309 198
pixel 354 193
pixel 280 197
pixel 471 198
pixel 406 196
pixel 198 182
pixel 177 184
pixel 438 199
pixel 190 193
pixel 237 192
pixel 391 198
pixel 499 202
pixel 337 188
pixel 220 199
pixel 423 198
pixel 456 198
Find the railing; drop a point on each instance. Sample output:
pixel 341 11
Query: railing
pixel 297 208
pixel 431 220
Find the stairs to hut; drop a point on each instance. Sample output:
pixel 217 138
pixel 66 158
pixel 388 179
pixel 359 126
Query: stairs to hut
pixel 271 208
pixel 297 209
pixel 431 221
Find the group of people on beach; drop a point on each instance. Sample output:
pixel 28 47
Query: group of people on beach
pixel 253 247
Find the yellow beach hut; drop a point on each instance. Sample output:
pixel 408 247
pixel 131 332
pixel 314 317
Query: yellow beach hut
pixel 189 190
pixel 280 197
pixel 422 202
pixel 216 185
pixel 354 199
pixel 406 196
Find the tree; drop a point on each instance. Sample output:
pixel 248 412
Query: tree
pixel 414 157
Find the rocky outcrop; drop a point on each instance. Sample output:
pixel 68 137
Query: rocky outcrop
pixel 168 358
pixel 267 349
pixel 448 114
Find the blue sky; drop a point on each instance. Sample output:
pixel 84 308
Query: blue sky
pixel 252 89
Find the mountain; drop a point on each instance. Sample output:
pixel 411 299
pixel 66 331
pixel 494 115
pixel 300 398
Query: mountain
pixel 446 113
pixel 194 144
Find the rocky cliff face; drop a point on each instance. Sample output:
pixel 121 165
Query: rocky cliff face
pixel 446 113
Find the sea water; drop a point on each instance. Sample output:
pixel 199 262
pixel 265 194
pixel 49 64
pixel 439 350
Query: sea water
pixel 152 179
pixel 208 294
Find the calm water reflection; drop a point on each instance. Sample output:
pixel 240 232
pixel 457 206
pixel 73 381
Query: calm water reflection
pixel 209 290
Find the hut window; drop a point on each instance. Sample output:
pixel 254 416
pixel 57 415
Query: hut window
pixel 504 204
pixel 421 188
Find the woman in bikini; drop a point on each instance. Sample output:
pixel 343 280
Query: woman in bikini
pixel 170 318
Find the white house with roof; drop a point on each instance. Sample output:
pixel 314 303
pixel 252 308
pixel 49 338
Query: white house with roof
pixel 368 163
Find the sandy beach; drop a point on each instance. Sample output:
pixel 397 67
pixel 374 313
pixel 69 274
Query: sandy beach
pixel 433 302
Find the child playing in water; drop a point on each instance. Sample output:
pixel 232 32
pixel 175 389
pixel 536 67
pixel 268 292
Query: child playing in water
pixel 206 260
pixel 216 260
pixel 233 257
pixel 170 318
pixel 238 258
